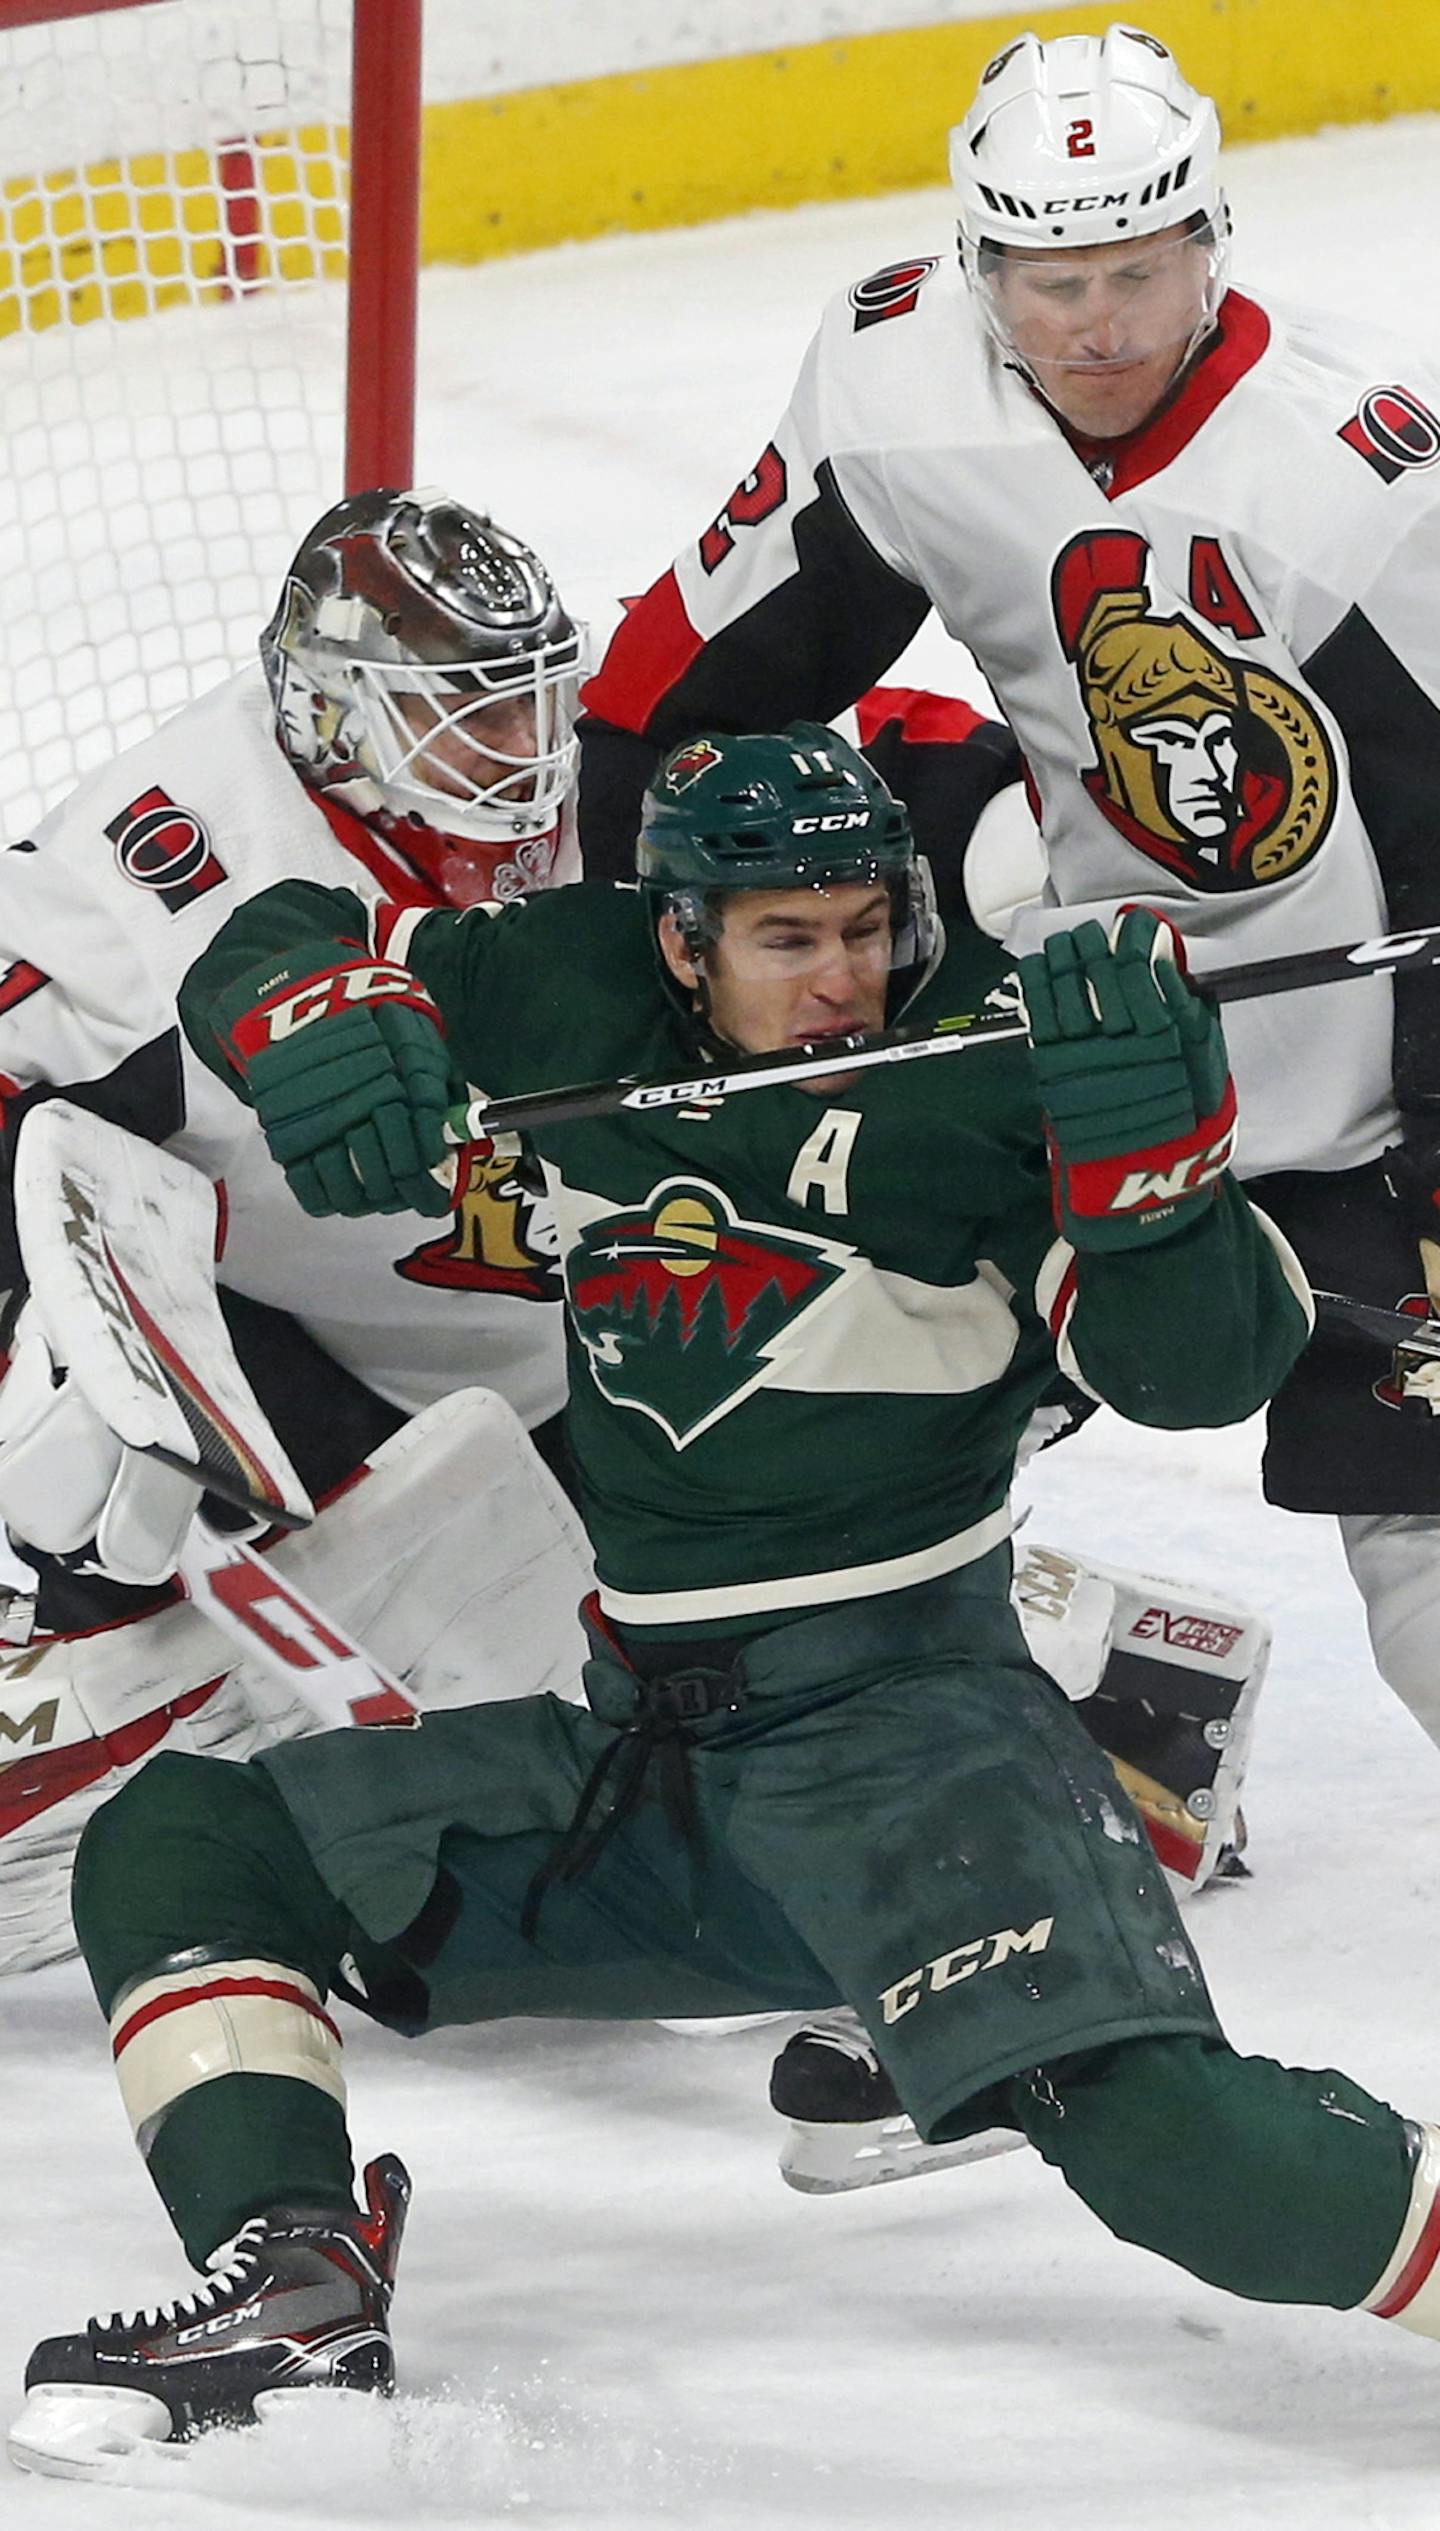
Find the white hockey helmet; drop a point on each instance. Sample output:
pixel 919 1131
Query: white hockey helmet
pixel 1083 141
pixel 425 674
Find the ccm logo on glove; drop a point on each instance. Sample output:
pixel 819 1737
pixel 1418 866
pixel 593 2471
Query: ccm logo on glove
pixel 270 1023
pixel 1169 1171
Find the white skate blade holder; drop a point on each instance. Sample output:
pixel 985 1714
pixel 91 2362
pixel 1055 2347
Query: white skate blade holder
pixel 828 2159
pixel 89 2430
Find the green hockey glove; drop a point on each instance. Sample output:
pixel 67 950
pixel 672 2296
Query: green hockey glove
pixel 346 1068
pixel 1132 1073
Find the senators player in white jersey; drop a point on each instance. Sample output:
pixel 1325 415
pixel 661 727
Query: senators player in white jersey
pixel 408 728
pixel 1193 543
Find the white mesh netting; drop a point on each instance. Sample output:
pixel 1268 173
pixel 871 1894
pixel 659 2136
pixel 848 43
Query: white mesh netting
pixel 172 256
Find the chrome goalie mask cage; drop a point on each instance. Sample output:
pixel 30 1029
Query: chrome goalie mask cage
pixel 1090 141
pixel 424 671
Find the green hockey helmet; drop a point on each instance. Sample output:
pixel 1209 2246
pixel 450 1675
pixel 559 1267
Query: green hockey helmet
pixel 791 808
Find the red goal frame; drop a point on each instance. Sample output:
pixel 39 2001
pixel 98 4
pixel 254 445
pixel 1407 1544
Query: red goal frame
pixel 384 225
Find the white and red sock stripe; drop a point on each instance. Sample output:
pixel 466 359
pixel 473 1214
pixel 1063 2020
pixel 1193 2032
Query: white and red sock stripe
pixel 187 2026
pixel 1408 2290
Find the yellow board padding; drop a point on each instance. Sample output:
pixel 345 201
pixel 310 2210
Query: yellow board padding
pixel 124 237
pixel 665 148
pixel 868 115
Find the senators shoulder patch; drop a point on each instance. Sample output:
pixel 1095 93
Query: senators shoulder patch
pixel 893 291
pixel 1393 431
pixel 165 849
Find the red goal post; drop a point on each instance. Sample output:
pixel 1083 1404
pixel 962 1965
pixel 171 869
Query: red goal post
pixel 209 243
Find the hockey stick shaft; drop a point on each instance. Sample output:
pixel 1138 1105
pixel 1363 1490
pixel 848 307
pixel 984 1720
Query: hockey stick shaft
pixel 1386 1326
pixel 277 1624
pixel 1296 972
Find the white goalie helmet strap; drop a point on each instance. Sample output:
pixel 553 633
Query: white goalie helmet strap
pixel 1082 141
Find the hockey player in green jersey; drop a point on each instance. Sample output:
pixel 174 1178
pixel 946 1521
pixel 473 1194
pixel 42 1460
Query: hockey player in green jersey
pixel 817 1765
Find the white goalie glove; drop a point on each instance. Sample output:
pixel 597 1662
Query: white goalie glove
pixel 69 1483
pixel 124 1400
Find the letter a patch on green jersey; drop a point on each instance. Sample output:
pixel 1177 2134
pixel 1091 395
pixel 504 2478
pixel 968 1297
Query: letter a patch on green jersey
pixel 684 1308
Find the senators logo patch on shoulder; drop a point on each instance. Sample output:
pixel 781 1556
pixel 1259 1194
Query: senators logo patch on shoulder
pixel 165 849
pixel 684 1308
pixel 1208 763
pixel 1393 431
pixel 894 291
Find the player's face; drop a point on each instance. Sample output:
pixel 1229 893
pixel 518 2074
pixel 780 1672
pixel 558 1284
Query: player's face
pixel 1103 330
pixel 793 965
pixel 469 750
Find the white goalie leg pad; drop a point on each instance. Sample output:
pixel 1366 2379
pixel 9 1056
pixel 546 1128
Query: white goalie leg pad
pixel 1067 1616
pixel 1173 1676
pixel 455 1559
pixel 189 2026
pixel 1394 1560
pixel 1408 2292
pixel 78 1715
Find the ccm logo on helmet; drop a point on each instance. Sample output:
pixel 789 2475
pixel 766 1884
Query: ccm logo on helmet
pixel 966 1960
pixel 839 822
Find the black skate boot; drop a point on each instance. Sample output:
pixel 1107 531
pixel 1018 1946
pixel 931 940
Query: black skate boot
pixel 847 2128
pixel 296 2299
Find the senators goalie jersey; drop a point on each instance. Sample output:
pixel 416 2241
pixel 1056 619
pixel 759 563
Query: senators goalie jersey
pixel 101 913
pixel 1216 641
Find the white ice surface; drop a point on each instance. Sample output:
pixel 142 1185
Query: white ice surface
pixel 611 2313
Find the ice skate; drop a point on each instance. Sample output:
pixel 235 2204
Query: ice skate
pixel 297 2300
pixel 847 2128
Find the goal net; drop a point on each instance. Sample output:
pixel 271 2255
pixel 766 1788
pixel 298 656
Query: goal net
pixel 175 278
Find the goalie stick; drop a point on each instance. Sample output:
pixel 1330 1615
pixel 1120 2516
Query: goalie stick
pixel 477 1119
pixel 275 1622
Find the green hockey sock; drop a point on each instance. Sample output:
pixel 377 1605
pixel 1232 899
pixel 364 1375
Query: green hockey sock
pixel 233 2148
pixel 1277 2183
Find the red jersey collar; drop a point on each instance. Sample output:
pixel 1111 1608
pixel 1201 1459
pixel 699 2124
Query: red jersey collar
pixel 1241 334
pixel 402 882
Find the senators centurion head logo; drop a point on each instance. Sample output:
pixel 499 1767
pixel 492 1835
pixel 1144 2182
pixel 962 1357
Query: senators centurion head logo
pixel 684 1309
pixel 1208 764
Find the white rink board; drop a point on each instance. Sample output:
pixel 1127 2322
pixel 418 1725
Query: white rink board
pixel 478 51
pixel 611 2314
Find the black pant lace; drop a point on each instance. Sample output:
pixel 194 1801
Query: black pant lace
pixel 658 1736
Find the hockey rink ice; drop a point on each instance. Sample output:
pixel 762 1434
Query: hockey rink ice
pixel 611 2312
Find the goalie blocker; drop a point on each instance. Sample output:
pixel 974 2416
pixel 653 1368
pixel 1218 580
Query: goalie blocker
pixel 1166 1680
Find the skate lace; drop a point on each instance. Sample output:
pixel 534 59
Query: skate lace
pixel 229 2266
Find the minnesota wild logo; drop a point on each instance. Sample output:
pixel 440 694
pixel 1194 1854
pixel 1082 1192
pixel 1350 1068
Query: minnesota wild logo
pixel 684 1308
